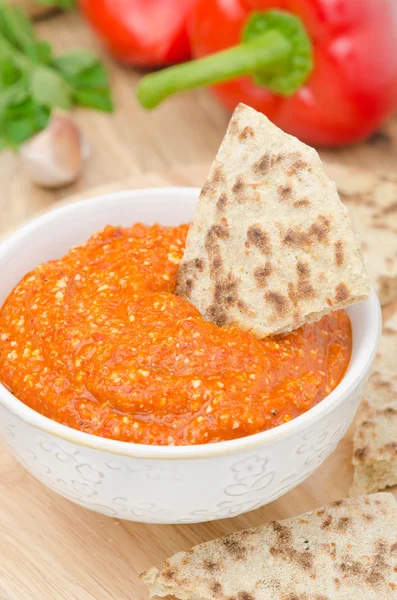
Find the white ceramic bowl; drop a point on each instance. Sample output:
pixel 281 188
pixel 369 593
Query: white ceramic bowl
pixel 168 484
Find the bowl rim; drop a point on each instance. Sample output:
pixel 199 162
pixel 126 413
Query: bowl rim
pixel 356 374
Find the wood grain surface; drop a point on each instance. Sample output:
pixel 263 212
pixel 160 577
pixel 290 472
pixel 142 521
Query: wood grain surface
pixel 186 130
pixel 52 549
pixel 32 8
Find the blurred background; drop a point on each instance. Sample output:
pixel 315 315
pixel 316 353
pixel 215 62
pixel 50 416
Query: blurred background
pixel 344 102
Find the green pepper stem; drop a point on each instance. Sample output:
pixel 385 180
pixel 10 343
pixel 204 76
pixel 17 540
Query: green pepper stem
pixel 264 53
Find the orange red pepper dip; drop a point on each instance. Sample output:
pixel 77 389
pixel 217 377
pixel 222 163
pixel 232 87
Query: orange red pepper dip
pixel 98 341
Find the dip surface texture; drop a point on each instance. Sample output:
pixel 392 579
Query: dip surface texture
pixel 98 342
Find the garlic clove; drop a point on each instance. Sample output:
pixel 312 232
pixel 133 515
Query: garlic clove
pixel 54 157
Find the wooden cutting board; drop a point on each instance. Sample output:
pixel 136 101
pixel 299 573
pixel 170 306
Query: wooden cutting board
pixel 52 549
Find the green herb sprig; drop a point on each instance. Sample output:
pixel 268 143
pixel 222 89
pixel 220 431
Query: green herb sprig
pixel 33 81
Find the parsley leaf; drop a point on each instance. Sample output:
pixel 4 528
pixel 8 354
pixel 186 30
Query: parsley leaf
pixel 9 74
pixel 33 81
pixel 21 121
pixel 50 89
pixel 94 98
pixel 75 63
pixel 88 79
pixel 14 94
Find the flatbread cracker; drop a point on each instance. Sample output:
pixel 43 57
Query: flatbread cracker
pixel 271 246
pixel 372 202
pixel 375 436
pixel 375 446
pixel 382 385
pixel 346 550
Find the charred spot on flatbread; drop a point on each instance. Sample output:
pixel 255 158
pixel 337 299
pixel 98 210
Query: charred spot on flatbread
pixel 262 274
pixel 352 568
pixel 240 190
pixel 245 596
pixel 221 202
pixel 246 133
pixel 301 203
pixel 243 307
pixel 343 524
pixel 199 264
pixel 341 293
pixel 264 164
pixel 316 233
pixel 169 574
pixel 303 288
pixel 213 182
pixel 285 192
pixel 361 453
pixel 235 548
pixel 297 166
pixel 187 276
pixel 225 295
pixel 215 588
pixel 377 570
pixel 210 566
pixel 327 522
pixel 320 229
pixel 285 549
pixel 368 517
pixel 239 185
pixel 257 237
pixel 339 253
pixel 379 564
pixel 225 287
pixel 278 301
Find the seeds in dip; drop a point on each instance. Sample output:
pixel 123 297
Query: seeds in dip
pixel 98 341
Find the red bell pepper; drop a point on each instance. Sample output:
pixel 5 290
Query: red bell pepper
pixel 351 90
pixel 145 33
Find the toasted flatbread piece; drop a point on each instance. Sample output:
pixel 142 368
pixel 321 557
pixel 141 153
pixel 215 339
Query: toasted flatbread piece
pixel 271 246
pixel 346 550
pixel 371 199
pixel 375 446
pixel 382 386
pixel 375 436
